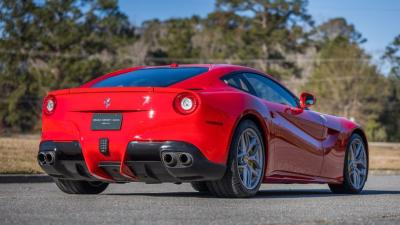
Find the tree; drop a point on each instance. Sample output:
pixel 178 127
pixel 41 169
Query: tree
pixel 392 54
pixel 391 110
pixel 391 113
pixel 258 33
pixel 52 45
pixel 273 30
pixel 175 41
pixel 337 27
pixel 219 37
pixel 349 85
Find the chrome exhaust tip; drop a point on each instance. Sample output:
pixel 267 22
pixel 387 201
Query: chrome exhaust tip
pixel 50 158
pixel 169 159
pixel 41 158
pixel 185 159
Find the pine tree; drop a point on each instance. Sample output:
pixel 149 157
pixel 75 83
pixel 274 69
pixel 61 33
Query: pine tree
pixel 52 45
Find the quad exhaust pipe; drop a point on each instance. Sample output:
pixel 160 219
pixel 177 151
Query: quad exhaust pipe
pixel 185 159
pixel 46 158
pixel 173 159
pixel 169 159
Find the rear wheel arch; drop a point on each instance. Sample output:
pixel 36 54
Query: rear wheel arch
pixel 235 182
pixel 259 121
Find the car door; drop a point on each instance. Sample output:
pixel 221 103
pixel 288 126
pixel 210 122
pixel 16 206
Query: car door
pixel 297 134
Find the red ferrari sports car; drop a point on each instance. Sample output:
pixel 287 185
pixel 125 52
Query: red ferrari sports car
pixel 225 129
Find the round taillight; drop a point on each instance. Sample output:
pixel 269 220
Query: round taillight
pixel 185 103
pixel 49 105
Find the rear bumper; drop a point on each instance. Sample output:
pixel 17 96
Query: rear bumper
pixel 67 160
pixel 142 159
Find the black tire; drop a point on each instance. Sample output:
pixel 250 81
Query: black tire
pixel 347 187
pixel 80 187
pixel 200 186
pixel 230 186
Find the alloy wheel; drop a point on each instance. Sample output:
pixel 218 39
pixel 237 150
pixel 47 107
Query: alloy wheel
pixel 250 158
pixel 357 163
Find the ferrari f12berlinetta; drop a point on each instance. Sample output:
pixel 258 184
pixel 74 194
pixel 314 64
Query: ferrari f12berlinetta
pixel 225 129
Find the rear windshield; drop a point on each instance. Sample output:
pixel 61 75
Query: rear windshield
pixel 155 77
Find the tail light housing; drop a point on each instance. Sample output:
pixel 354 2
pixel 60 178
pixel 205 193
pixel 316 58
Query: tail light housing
pixel 186 103
pixel 49 104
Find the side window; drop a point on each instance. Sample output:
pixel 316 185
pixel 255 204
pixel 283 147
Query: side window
pixel 236 81
pixel 270 90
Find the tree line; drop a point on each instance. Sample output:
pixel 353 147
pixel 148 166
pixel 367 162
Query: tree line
pixel 54 44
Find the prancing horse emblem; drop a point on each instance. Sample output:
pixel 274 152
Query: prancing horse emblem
pixel 107 102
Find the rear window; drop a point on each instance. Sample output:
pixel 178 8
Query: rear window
pixel 155 77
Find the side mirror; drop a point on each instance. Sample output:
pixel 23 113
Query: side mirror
pixel 307 100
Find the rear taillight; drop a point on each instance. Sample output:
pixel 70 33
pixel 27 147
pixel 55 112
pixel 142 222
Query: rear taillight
pixel 49 104
pixel 186 103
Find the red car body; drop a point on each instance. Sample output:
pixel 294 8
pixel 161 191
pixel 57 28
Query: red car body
pixel 301 145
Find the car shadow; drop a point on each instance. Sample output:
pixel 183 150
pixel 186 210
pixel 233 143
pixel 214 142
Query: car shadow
pixel 305 193
pixel 298 193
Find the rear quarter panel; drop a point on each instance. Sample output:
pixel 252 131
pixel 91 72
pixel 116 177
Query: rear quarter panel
pixel 230 106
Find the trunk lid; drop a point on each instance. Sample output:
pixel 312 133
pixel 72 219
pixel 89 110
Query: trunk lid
pixel 104 99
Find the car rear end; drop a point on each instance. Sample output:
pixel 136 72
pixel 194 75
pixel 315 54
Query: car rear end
pixel 134 132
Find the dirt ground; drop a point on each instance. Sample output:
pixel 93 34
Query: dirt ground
pixel 18 155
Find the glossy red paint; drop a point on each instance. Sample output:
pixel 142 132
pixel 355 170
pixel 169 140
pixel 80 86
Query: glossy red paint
pixel 302 146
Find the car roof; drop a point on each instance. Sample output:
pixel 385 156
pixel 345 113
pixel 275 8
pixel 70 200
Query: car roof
pixel 209 66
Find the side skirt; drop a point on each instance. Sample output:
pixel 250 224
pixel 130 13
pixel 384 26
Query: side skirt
pixel 284 177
